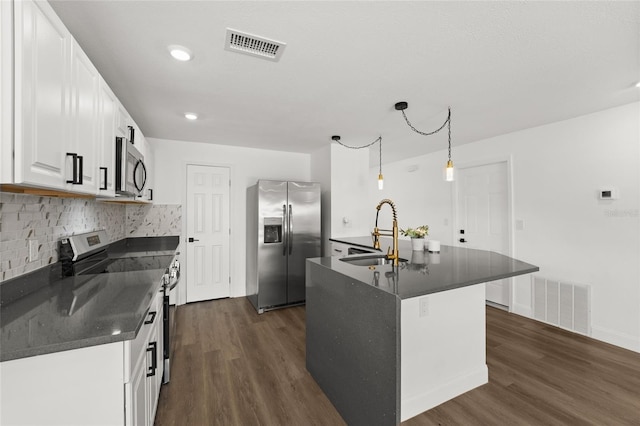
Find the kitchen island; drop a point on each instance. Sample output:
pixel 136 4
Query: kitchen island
pixel 386 342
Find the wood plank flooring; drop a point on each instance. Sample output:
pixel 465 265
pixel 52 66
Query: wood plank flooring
pixel 232 366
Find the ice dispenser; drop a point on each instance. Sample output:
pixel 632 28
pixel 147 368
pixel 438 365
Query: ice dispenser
pixel 272 230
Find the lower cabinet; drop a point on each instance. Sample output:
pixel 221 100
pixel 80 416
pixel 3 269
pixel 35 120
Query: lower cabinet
pixel 143 388
pixel 116 383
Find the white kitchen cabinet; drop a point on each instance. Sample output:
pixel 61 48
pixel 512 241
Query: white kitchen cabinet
pixel 122 122
pixel 107 111
pixel 55 105
pixel 95 385
pixel 84 123
pixel 6 90
pixel 42 99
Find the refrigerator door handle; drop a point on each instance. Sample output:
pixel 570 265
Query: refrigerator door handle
pixel 290 237
pixel 284 230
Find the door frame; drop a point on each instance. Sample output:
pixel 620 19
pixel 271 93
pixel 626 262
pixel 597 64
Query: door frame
pixel 508 159
pixel 181 298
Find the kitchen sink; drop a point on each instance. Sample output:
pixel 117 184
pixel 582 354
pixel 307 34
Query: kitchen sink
pixel 379 259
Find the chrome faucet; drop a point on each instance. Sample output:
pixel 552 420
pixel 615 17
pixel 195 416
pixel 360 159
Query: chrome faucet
pixel 391 255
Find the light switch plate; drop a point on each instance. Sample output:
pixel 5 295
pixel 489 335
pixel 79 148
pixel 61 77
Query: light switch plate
pixel 33 250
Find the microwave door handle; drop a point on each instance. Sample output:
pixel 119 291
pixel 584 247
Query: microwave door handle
pixel 144 176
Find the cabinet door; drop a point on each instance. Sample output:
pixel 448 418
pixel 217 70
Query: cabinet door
pixel 84 121
pixel 122 122
pixel 106 164
pixel 6 91
pixel 42 52
pixel 136 396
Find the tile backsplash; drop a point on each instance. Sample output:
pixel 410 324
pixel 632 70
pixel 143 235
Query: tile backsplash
pixel 151 220
pixel 47 219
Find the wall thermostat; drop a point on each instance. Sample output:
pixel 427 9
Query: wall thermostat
pixel 608 194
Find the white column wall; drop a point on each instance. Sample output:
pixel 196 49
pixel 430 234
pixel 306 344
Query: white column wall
pixel 247 165
pixel 568 232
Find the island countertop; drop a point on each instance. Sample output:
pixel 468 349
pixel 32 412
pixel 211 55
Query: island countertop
pixel 425 272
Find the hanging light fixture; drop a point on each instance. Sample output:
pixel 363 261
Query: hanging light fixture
pixel 379 140
pixel 401 106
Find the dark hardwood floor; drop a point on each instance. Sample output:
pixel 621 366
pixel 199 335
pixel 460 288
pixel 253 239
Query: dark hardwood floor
pixel 232 366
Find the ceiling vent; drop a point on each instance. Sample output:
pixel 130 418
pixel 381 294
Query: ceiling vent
pixel 249 44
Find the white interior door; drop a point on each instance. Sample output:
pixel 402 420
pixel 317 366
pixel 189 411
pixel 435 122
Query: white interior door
pixel 483 217
pixel 207 216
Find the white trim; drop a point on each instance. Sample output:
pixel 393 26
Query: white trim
pixel 508 159
pixel 623 340
pixel 411 407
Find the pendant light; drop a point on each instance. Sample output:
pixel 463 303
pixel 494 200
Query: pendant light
pixel 379 140
pixel 401 106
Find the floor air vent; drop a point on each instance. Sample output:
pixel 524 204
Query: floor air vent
pixel 249 44
pixel 562 304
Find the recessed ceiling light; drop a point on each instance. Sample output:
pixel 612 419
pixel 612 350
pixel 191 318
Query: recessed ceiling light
pixel 638 85
pixel 180 53
pixel 190 116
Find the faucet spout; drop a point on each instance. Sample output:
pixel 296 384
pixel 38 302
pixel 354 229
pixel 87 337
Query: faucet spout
pixel 391 254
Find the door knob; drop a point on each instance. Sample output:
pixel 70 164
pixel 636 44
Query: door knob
pixel 191 239
pixel 462 240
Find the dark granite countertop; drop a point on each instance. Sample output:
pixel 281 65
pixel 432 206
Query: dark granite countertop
pixel 48 313
pixel 425 272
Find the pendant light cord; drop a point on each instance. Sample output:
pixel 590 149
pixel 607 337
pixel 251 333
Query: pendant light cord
pixel 447 123
pixel 379 140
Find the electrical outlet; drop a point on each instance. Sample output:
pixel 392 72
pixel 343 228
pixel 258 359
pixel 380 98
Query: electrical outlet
pixel 424 307
pixel 33 250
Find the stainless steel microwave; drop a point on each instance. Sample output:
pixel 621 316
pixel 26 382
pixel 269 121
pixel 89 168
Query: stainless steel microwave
pixel 131 173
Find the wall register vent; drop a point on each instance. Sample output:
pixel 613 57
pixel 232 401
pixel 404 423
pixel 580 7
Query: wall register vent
pixel 249 44
pixel 562 304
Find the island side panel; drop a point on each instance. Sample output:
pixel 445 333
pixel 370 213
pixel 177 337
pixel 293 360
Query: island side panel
pixel 352 346
pixel 443 347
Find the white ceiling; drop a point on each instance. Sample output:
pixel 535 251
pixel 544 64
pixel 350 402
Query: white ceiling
pixel 501 66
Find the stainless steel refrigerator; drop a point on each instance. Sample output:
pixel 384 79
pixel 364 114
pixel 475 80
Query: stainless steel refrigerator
pixel 283 229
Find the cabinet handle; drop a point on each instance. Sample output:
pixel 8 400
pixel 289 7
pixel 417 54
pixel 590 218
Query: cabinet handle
pixel 153 318
pixel 74 179
pixel 80 170
pixel 132 134
pixel 105 178
pixel 150 194
pixel 153 348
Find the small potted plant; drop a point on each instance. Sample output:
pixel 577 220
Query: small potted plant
pixel 417 236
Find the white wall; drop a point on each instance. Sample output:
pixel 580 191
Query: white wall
pixel 247 165
pixel 569 233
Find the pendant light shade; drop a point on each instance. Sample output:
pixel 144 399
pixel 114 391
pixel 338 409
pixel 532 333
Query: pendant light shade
pixel 380 182
pixel 448 172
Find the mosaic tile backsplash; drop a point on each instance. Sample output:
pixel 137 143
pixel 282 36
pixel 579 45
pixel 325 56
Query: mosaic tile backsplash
pixel 47 219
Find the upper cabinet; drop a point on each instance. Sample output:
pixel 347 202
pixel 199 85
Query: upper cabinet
pixel 42 96
pixel 83 142
pixel 61 135
pixel 107 111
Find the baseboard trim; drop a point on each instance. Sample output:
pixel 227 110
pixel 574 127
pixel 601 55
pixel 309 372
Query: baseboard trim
pixel 410 407
pixel 616 338
pixel 523 310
